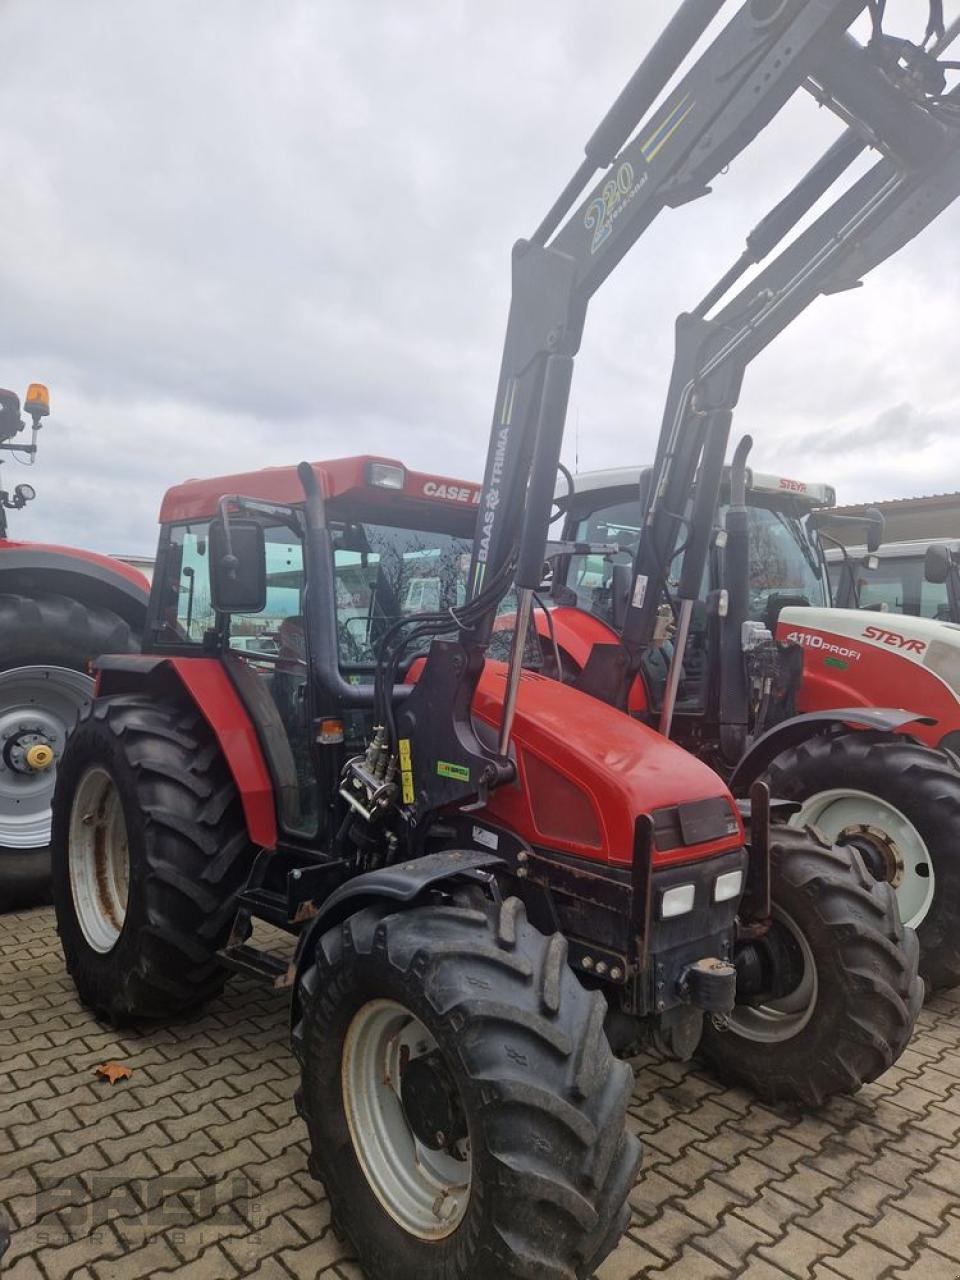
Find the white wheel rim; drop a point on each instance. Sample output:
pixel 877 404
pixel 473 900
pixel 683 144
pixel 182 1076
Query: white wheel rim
pixel 785 1018
pixel 38 705
pixel 425 1191
pixel 99 860
pixel 841 810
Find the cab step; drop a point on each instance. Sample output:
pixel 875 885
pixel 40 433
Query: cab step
pixel 263 966
pixel 263 904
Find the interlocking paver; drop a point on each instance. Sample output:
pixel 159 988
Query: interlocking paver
pixel 196 1167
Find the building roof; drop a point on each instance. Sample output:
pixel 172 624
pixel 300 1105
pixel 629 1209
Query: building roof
pixel 923 503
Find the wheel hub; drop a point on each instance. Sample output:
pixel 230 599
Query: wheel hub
pixel 29 752
pixel 400 1101
pixel 98 859
pixel 431 1104
pixel 877 849
pixel 777 984
pixel 38 709
pixel 886 838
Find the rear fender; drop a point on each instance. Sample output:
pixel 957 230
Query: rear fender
pixel 792 732
pixel 30 569
pixel 207 685
pixel 400 885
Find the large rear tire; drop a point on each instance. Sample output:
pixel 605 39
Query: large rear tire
pixel 857 998
pixel 46 643
pixel 907 792
pixel 150 850
pixel 472 1027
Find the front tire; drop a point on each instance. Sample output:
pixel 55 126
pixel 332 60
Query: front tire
pixel 501 1040
pixel 857 997
pixel 909 792
pixel 150 850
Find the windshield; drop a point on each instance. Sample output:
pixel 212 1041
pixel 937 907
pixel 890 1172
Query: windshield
pixel 384 573
pixel 784 557
pixel 590 576
pixel 784 560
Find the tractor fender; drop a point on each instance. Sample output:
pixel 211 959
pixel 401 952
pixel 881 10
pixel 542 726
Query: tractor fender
pixel 792 732
pixel 32 568
pixel 401 884
pixel 208 686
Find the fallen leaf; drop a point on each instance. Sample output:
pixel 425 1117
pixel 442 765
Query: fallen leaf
pixel 114 1071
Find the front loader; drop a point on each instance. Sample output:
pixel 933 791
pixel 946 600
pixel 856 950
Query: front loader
pixel 494 879
pixel 870 760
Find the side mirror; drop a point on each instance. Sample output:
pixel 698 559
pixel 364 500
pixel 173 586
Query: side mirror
pixel 875 523
pixel 937 563
pixel 621 585
pixel 238 567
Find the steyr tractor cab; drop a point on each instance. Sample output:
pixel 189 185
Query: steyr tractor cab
pixel 494 878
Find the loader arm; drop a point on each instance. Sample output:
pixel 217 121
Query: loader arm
pixel 768 50
pixel 878 215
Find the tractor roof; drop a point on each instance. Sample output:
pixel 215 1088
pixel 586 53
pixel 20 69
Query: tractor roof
pixel 377 480
pixel 816 495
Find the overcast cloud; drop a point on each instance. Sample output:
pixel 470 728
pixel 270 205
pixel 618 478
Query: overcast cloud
pixel 236 233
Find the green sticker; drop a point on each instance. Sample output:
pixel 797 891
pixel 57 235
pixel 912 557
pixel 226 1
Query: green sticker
pixel 460 772
pixel 836 662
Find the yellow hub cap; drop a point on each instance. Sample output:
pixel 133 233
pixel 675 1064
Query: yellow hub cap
pixel 39 756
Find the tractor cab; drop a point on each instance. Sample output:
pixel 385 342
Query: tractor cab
pixel 398 544
pixel 786 568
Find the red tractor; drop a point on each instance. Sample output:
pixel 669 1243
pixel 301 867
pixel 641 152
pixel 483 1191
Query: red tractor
pixel 59 609
pixel 495 880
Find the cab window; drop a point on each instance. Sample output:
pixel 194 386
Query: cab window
pixel 384 573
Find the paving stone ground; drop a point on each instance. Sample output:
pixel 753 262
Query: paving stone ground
pixel 197 1166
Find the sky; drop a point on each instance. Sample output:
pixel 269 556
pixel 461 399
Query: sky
pixel 237 234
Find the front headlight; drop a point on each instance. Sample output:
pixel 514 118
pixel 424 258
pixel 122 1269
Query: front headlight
pixel 727 886
pixel 944 661
pixel 677 901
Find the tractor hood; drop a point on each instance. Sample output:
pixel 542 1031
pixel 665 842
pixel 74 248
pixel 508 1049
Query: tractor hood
pixel 856 657
pixel 587 772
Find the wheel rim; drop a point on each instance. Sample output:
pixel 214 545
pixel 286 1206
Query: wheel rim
pixel 785 1018
pixel 38 708
pixel 99 859
pixel 423 1190
pixel 840 814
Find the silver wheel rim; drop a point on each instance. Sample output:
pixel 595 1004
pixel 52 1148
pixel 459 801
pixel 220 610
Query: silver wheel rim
pixel 835 812
pixel 784 1018
pixel 38 705
pixel 99 860
pixel 425 1191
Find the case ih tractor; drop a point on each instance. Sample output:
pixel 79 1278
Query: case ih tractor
pixel 59 608
pixel 495 879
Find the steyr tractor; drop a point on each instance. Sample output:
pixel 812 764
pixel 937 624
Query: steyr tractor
pixel 495 880
pixel 871 759
pixel 816 678
pixel 59 608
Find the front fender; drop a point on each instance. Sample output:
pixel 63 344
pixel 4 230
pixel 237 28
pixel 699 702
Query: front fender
pixel 401 884
pixel 792 732
pixel 206 683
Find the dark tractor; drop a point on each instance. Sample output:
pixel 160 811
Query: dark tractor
pixel 495 880
pixel 60 608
